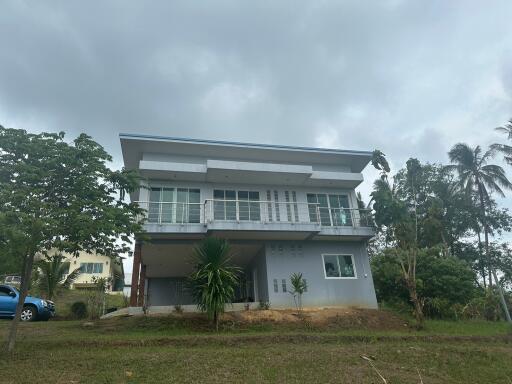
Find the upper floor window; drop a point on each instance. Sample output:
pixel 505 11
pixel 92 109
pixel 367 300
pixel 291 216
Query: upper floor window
pixel 333 209
pixel 174 205
pixel 236 205
pixel 91 267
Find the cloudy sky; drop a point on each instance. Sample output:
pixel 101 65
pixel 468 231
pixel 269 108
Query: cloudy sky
pixel 408 77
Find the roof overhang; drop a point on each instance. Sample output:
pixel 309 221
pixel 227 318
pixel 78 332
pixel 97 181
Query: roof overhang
pixel 134 145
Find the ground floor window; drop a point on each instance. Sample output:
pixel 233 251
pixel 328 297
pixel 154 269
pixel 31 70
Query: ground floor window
pixel 339 266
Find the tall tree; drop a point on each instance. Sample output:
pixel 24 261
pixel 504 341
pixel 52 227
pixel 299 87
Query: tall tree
pixel 504 148
pixel 396 217
pixel 214 280
pixel 63 196
pixel 477 176
pixel 379 161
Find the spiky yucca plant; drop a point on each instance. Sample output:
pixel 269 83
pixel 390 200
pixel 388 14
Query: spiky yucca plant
pixel 213 282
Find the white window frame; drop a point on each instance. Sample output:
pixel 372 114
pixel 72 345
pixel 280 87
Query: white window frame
pixel 329 208
pixel 237 203
pixel 339 268
pixel 174 215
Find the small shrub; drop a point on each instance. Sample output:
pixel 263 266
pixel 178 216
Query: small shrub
pixel 178 308
pixel 79 310
pixel 485 307
pixel 264 305
pixel 299 286
pixel 247 306
pixel 440 308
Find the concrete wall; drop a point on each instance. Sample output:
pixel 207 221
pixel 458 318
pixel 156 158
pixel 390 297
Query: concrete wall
pixel 258 269
pixel 167 291
pixel 285 258
pixel 278 260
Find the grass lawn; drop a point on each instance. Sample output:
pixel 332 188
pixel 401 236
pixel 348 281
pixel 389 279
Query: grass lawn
pixel 173 350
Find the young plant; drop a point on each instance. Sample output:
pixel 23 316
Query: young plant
pixel 299 286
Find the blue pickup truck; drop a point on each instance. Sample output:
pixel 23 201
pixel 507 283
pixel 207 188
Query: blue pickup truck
pixel 34 308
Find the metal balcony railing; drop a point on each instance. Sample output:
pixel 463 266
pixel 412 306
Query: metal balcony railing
pixel 260 211
pixel 171 212
pixel 216 210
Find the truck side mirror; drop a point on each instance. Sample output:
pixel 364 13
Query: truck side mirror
pixel 12 294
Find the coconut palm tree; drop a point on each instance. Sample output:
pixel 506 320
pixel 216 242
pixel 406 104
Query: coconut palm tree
pixel 379 161
pixel 214 280
pixel 505 149
pixel 477 176
pixel 52 275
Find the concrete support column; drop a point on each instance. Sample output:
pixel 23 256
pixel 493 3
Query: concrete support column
pixel 135 275
pixel 142 285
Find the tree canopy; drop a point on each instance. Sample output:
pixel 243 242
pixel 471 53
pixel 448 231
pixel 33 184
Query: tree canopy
pixel 63 196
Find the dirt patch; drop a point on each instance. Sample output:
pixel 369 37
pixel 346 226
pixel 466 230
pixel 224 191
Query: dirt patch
pixel 328 318
pixel 321 319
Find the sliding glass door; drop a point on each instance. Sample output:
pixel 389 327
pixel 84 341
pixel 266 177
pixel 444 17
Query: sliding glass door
pixel 333 209
pixel 174 205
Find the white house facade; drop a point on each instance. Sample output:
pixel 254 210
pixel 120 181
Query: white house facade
pixel 283 209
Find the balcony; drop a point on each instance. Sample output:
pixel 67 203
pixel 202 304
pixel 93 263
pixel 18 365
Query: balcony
pixel 243 219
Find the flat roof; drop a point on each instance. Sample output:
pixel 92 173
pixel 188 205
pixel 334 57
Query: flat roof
pixel 133 145
pixel 239 144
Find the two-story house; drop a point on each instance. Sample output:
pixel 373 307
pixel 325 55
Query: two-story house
pixel 283 209
pixel 94 266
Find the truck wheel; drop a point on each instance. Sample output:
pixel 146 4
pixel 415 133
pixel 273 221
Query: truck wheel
pixel 28 313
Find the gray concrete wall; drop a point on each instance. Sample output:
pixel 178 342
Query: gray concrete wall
pixel 278 260
pixel 285 258
pixel 167 291
pixel 258 268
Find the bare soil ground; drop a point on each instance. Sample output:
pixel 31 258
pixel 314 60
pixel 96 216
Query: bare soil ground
pixel 323 317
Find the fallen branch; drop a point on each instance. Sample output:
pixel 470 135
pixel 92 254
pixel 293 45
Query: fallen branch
pixel 369 360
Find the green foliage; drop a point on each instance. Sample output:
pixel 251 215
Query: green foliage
pixel 299 286
pixel 97 297
pixel 486 306
pixel 79 310
pixel 263 305
pixel 57 195
pixel 441 281
pixel 63 196
pixel 54 275
pixel 379 161
pixel 213 282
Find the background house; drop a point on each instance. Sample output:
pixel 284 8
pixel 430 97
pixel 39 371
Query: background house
pixel 96 266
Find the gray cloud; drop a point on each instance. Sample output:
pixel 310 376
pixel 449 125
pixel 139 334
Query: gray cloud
pixel 410 78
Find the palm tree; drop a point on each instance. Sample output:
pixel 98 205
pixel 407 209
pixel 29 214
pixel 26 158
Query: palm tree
pixel 52 275
pixel 379 161
pixel 505 149
pixel 214 281
pixel 477 176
